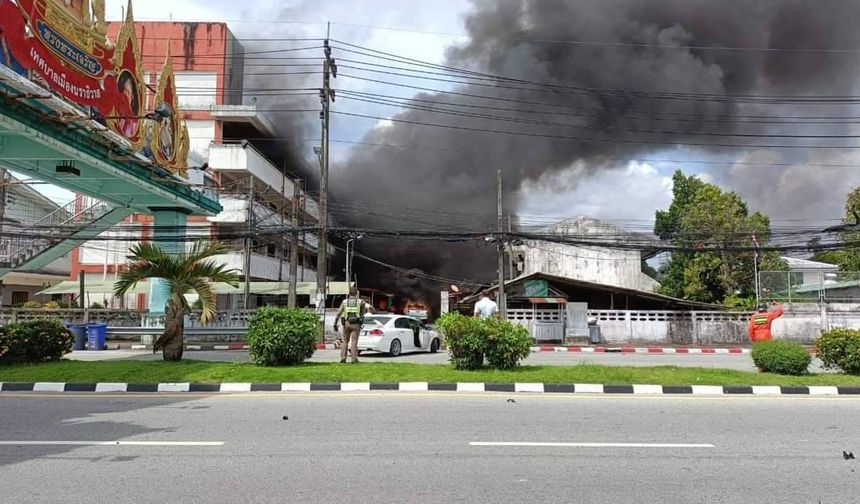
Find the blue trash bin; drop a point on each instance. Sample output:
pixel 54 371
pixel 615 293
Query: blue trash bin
pixel 96 335
pixel 80 334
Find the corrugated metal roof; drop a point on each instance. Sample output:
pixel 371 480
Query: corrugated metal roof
pixel 796 264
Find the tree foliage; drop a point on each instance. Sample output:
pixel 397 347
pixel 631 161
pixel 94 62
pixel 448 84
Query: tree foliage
pixel 847 258
pixel 184 273
pixel 702 216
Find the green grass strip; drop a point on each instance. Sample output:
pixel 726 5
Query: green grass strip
pixel 131 371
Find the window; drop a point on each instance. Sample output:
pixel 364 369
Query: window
pixel 19 297
pixel 402 323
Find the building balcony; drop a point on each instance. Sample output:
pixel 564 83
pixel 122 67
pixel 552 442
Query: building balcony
pixel 237 160
pixel 236 213
pixel 264 267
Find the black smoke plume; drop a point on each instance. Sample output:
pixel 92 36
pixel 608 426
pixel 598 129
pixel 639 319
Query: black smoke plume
pixel 410 176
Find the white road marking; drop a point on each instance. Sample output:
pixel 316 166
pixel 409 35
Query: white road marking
pixel 295 387
pixel 111 387
pixel 823 390
pixel 590 445
pixel 528 387
pixel 412 387
pixel 235 387
pixel 174 387
pixel 707 390
pixel 355 386
pixel 766 390
pixel 647 389
pixel 587 388
pixel 470 387
pixel 695 351
pixel 49 387
pixel 111 443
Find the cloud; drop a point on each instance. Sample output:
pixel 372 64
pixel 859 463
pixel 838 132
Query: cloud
pixel 632 194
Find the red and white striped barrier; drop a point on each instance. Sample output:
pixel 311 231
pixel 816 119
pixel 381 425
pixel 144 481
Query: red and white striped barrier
pixel 640 350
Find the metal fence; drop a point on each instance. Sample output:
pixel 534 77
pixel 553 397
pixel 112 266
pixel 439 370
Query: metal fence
pixel 813 286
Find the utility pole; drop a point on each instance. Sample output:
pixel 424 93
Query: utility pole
pixel 3 185
pixel 511 273
pixel 294 247
pixel 248 241
pixel 282 254
pixel 502 301
pixel 326 98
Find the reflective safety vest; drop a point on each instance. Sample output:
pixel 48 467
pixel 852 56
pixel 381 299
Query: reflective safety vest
pixel 760 322
pixel 352 310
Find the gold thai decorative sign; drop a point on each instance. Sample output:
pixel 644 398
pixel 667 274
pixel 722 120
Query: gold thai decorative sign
pixel 62 45
pixel 168 139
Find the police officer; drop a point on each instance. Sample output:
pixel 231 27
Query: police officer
pixel 351 315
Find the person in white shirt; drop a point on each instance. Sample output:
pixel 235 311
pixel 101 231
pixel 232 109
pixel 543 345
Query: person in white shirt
pixel 486 307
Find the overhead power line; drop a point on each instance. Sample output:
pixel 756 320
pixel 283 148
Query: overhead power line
pixel 561 88
pixel 607 129
pixel 587 139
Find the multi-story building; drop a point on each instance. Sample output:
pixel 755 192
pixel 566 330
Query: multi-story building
pixel 254 190
pixel 587 262
pixel 22 207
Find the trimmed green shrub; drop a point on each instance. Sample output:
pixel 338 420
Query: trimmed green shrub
pixel 464 337
pixel 783 357
pixel 29 305
pixel 282 336
pixel 506 344
pixel 52 305
pixel 470 339
pixel 839 348
pixel 34 341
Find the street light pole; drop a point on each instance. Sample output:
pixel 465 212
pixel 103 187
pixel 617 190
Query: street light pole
pixel 349 251
pixel 348 260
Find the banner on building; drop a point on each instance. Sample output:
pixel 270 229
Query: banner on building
pixel 63 46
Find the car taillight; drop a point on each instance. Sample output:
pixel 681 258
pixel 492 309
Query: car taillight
pixel 376 332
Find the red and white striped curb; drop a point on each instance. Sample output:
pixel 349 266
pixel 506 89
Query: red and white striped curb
pixel 640 350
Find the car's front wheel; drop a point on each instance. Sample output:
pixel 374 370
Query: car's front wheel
pixel 434 345
pixel 396 348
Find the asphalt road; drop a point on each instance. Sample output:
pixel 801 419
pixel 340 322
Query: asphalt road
pixel 740 362
pixel 397 447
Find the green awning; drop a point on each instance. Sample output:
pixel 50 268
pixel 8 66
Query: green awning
pixel 92 287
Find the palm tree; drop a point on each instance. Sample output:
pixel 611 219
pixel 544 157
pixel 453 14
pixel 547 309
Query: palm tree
pixel 184 273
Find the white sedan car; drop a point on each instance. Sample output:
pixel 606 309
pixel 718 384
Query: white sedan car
pixel 395 334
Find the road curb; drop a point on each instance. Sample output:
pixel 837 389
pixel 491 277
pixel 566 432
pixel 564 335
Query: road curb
pixel 524 388
pixel 641 350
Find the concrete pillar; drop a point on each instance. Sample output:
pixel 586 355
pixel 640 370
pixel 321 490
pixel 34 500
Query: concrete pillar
pixel 825 323
pixel 694 317
pixel 169 231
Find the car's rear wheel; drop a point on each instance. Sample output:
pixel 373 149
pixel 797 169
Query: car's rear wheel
pixel 396 348
pixel 434 345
